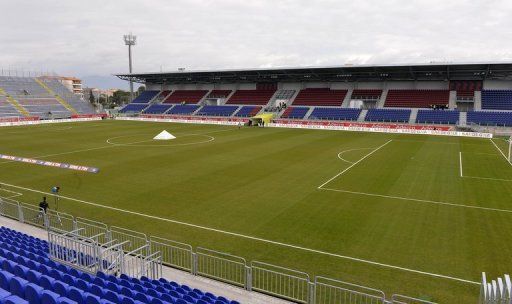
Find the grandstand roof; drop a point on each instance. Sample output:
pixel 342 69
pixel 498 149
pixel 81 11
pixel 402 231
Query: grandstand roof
pixel 425 72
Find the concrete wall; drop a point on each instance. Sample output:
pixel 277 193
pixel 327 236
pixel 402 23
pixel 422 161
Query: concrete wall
pixel 497 85
pixel 404 85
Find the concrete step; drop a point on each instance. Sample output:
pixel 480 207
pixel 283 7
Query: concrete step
pixel 362 115
pixel 414 114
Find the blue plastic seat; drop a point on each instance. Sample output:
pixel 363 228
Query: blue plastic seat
pixel 64 300
pixel 97 290
pixel 61 288
pixel 4 294
pixel 49 297
pixel 21 271
pixel 17 286
pixel 81 284
pixel 46 282
pixel 8 266
pixel 5 278
pixel 77 295
pixel 12 299
pixel 113 296
pixel 33 293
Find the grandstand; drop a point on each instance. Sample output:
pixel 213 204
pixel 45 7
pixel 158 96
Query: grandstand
pixel 384 94
pixel 39 97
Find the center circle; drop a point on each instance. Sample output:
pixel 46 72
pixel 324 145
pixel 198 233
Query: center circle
pixel 146 140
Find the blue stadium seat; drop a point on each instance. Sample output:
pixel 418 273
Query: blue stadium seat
pixel 217 110
pixel 295 112
pixel 388 115
pixel 497 99
pixel 335 114
pixel 490 118
pixel 438 116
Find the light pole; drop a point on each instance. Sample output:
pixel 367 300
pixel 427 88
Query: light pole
pixel 130 40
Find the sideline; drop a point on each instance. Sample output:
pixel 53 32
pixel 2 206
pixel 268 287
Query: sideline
pixel 253 237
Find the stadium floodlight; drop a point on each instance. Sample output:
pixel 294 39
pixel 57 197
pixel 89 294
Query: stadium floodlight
pixel 130 40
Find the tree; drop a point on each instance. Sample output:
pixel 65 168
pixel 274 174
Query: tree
pixel 120 97
pixel 141 89
pixel 91 97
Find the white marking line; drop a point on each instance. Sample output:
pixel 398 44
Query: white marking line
pixel 342 152
pixel 419 200
pixel 500 151
pixel 98 148
pixel 357 162
pixel 489 178
pixel 15 194
pixel 252 237
pixel 460 163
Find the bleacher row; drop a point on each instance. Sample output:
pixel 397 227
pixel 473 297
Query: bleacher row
pixel 36 100
pixel 28 276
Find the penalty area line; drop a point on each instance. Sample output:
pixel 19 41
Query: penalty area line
pixel 353 164
pixel 255 238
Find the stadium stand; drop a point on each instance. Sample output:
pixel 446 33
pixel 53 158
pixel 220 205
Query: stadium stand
pixel 81 106
pixel 335 114
pixel 7 109
pixel 219 94
pixel 438 116
pixel 145 97
pixel 134 108
pixel 217 110
pixel 497 99
pixel 251 97
pixel 42 107
pixel 186 96
pixel 366 94
pixel 157 108
pixel 247 111
pixel 388 115
pixel 417 98
pixel 183 109
pixel 295 112
pixel 29 276
pixel 320 97
pixel 489 118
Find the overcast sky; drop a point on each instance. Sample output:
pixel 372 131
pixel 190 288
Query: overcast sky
pixel 84 38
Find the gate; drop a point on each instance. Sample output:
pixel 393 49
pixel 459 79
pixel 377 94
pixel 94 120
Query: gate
pixel 10 209
pixel 74 250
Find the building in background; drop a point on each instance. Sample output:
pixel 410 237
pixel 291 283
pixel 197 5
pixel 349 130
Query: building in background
pixel 73 84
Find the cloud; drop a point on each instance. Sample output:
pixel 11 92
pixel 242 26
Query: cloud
pixel 85 38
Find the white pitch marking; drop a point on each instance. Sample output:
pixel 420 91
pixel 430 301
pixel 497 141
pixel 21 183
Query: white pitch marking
pixel 489 178
pixel 15 194
pixel 460 163
pixel 500 151
pixel 418 200
pixel 97 148
pixel 254 238
pixel 357 162
pixel 342 152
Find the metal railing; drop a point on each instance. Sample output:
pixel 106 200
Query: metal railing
pixel 497 291
pixel 400 299
pixel 221 266
pixel 92 246
pixel 329 291
pixel 174 254
pixel 281 282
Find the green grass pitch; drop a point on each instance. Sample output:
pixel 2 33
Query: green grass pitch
pixel 407 214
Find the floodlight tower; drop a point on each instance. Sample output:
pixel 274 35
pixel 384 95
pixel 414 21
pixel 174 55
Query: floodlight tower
pixel 130 40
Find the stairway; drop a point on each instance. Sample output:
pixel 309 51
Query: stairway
pixel 59 99
pixel 477 105
pixel 463 118
pixel 311 109
pixel 362 116
pixel 452 101
pixel 348 97
pixel 382 100
pixel 414 114
pixel 15 103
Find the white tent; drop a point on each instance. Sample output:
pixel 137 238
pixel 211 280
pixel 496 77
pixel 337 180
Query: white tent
pixel 164 135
